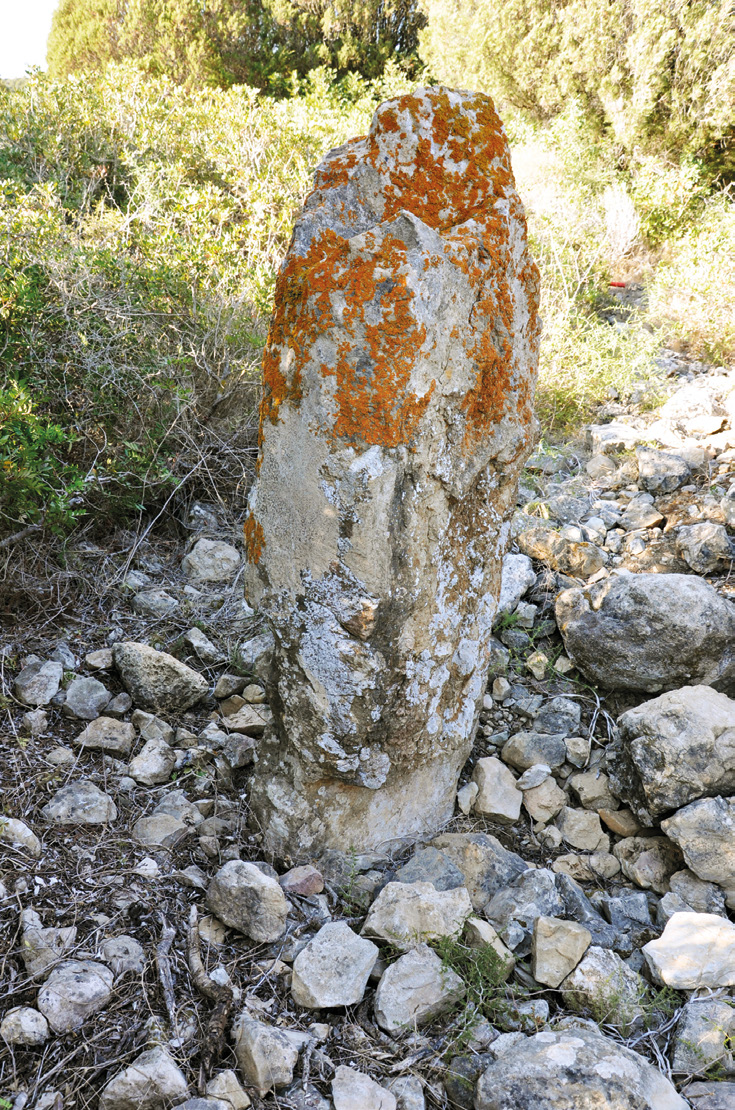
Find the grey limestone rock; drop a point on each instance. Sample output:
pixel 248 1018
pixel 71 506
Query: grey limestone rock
pixel 429 865
pixel 650 632
pixel 152 1082
pixel 247 900
pixel 486 865
pixel 416 989
pixel 38 683
pixel 211 561
pixel 513 911
pixel 74 991
pixel 85 698
pixel 703 831
pixel 575 1069
pixel 704 1037
pixel 105 734
pixel 674 749
pixel 404 914
pixel 333 969
pixel 265 1055
pixel 80 803
pixel 24 1025
pixel 156 680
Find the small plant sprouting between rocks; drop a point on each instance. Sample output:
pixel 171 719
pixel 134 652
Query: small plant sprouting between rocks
pixel 484 974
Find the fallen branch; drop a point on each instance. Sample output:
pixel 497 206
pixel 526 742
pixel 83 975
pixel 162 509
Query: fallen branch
pixel 164 970
pixel 20 535
pixel 218 993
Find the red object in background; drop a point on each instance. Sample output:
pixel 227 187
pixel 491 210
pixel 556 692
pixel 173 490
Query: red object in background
pixel 617 285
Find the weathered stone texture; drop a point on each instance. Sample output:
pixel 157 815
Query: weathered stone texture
pixel 396 413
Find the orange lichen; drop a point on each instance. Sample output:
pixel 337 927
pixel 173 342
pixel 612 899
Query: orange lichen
pixel 455 169
pixel 254 539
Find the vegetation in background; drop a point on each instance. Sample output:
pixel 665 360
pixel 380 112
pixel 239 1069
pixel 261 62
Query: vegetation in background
pixel 219 43
pixel 658 77
pixel 140 230
pixel 142 222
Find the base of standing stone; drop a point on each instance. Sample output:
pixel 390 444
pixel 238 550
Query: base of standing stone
pixel 302 819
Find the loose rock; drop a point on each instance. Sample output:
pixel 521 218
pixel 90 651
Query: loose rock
pixel 556 949
pixel 266 1057
pixel 38 683
pixel 649 632
pixel 211 561
pixel 152 1082
pixel 24 1025
pixel 85 698
pixel 80 803
pixel 249 901
pixel 107 735
pixel 404 914
pixel 416 989
pixel 74 991
pixel 333 968
pixel 576 1068
pixel 353 1090
pixel 695 950
pixel 155 680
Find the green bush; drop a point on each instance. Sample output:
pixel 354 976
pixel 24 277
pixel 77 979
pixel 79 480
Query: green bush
pixel 140 230
pixel 228 42
pixel 658 76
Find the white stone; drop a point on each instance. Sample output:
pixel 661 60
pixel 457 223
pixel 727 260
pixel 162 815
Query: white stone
pixel 353 1090
pixel 333 969
pixel 265 1055
pixel 80 803
pixel 498 798
pixel 74 991
pixel 695 950
pixel 479 934
pixel 42 948
pixel 24 1025
pixel 157 681
pixel 38 683
pixel 604 983
pixel 151 1082
pixel 211 561
pixel 556 949
pixel 203 647
pixel 153 764
pixel 517 577
pixel 107 735
pixel 416 989
pixel 249 901
pixel 582 829
pixel 225 1085
pixel 405 914
pixel 466 797
pixel 123 954
pixel 16 832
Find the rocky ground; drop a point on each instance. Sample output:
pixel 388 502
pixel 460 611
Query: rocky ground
pixel 565 942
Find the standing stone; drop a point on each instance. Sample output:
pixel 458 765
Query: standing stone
pixel 396 414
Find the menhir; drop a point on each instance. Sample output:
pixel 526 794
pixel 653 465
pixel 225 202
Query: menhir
pixel 396 416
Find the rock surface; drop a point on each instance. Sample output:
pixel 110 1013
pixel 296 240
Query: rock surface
pixel 353 1090
pixel 378 393
pixel 650 632
pixel 576 1069
pixel 151 1082
pixel 704 832
pixel 80 803
pixel 333 968
pixel 247 900
pixel 676 748
pixel 416 989
pixel 404 914
pixel 211 561
pixel 556 949
pixel 156 680
pixel 74 991
pixel 265 1055
pixel 695 950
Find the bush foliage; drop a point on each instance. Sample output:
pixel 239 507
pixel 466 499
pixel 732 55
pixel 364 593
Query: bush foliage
pixel 658 75
pixel 261 43
pixel 140 229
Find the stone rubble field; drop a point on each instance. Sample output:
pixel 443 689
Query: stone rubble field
pixel 566 941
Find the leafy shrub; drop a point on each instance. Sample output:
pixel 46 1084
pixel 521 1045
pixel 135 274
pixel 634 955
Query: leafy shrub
pixel 140 231
pixel 659 76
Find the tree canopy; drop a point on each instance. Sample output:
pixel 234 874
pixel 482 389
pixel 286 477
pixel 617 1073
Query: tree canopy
pixel 225 42
pixel 659 75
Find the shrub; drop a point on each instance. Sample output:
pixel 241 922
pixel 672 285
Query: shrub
pixel 659 76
